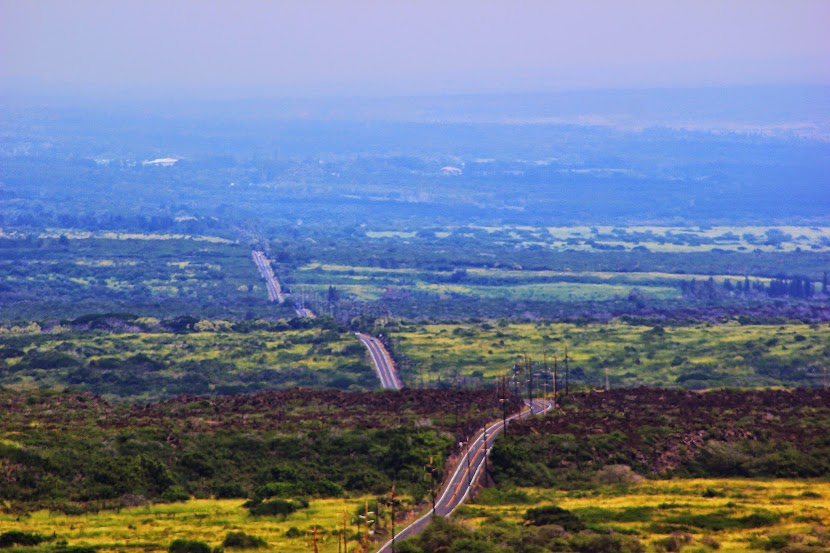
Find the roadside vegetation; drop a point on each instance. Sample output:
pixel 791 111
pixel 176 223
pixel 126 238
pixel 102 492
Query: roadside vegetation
pixel 216 523
pixel 695 356
pixel 73 452
pixel 155 275
pixel 691 515
pixel 125 357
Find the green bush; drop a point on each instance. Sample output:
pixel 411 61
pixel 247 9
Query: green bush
pixel 320 488
pixel 276 507
pixel 188 546
pixel 408 546
pixel 16 537
pixel 241 540
pixel 175 493
pixel 76 549
pixel 722 521
pixel 552 514
pixel 604 543
pixel 232 490
pixel 675 542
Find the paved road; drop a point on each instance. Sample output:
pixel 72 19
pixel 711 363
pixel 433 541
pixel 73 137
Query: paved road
pixel 384 366
pixel 305 312
pixel 271 282
pixel 466 473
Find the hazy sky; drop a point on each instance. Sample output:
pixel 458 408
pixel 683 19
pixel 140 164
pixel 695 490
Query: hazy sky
pixel 356 47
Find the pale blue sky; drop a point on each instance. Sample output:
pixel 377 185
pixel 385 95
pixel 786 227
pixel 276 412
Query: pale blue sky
pixel 357 47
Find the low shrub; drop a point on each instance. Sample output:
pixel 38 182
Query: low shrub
pixel 551 514
pixel 229 491
pixel 618 475
pixel 175 493
pixel 241 540
pixel 17 538
pixel 188 546
pixel 605 543
pixel 675 542
pixel 276 507
pixel 76 549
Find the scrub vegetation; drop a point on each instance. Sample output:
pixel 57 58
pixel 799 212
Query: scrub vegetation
pixel 692 356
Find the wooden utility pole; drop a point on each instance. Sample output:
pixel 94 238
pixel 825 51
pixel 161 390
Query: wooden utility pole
pixel 367 527
pixel 392 515
pixel 607 384
pixel 530 382
pixel 431 470
pixel 504 404
pixel 554 380
pixel 314 538
pixel 345 534
pixel 567 387
pixel 825 370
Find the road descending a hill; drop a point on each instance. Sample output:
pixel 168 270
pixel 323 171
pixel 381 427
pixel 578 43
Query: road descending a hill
pixel 271 282
pixel 384 366
pixel 465 473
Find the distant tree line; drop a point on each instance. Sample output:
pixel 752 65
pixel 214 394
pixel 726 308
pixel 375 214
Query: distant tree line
pixel 799 287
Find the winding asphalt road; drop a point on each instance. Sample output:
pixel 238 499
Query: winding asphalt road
pixel 467 470
pixel 384 366
pixel 271 282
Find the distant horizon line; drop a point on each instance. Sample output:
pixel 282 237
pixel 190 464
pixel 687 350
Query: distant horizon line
pixel 71 92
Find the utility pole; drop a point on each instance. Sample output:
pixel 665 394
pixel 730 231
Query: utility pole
pixel 567 387
pixel 554 380
pixel 393 518
pixel 391 504
pixel 314 538
pixel 345 534
pixel 504 403
pixel 530 382
pixel 367 526
pixel 431 470
pixel 465 445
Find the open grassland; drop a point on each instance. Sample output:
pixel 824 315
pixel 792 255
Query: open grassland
pixel 154 527
pixel 700 355
pixel 372 283
pixel 653 237
pixel 737 514
pixel 142 359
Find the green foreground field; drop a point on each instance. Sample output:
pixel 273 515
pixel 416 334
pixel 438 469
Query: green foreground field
pixel 785 511
pixel 154 527
pixel 794 512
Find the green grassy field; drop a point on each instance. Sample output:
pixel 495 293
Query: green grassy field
pixel 371 283
pixel 694 355
pixel 704 511
pixel 154 527
pixel 142 360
